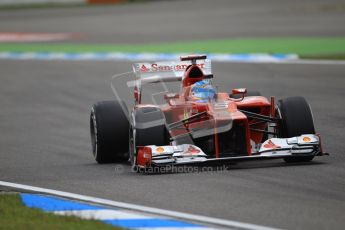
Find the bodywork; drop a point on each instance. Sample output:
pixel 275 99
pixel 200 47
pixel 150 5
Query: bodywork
pixel 221 130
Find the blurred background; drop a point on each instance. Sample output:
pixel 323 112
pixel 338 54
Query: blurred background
pixel 57 58
pixel 309 28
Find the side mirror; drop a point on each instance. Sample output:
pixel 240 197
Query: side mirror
pixel 239 91
pixel 171 96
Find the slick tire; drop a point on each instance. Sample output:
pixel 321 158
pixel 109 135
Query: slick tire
pixel 297 119
pixel 147 128
pixel 109 131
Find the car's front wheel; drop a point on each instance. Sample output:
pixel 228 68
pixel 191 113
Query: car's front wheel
pixel 297 119
pixel 147 128
pixel 109 131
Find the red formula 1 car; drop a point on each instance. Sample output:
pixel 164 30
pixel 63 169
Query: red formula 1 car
pixel 197 125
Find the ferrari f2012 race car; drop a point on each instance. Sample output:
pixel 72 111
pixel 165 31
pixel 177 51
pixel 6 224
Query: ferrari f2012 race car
pixel 197 125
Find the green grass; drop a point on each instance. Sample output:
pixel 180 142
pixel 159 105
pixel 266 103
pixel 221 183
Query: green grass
pixel 335 56
pixel 14 215
pixel 300 46
pixel 314 48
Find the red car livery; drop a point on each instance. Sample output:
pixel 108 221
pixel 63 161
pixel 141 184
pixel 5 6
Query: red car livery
pixel 183 129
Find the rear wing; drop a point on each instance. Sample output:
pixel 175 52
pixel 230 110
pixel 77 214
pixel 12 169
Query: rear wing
pixel 167 71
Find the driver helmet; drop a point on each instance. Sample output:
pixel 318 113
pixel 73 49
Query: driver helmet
pixel 203 91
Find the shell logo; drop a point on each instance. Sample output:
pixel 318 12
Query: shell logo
pixel 306 139
pixel 160 149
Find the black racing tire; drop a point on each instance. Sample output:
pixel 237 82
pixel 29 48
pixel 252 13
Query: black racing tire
pixel 141 135
pixel 248 94
pixel 297 119
pixel 109 131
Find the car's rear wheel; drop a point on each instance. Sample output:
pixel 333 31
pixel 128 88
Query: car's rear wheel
pixel 109 131
pixel 297 119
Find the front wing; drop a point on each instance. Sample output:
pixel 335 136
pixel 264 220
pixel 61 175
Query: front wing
pixel 187 154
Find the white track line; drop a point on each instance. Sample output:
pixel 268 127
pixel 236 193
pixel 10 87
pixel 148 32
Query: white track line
pixel 116 56
pixel 177 228
pixel 104 214
pixel 156 211
pixel 288 62
pixel 310 62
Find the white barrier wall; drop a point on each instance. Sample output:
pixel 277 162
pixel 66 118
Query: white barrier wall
pixel 29 2
pixel 32 2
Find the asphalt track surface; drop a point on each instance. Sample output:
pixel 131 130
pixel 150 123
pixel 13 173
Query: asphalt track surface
pixel 171 20
pixel 45 107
